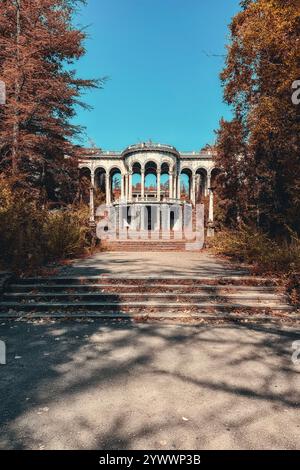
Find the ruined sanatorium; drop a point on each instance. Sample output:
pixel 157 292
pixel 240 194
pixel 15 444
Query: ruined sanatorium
pixel 147 178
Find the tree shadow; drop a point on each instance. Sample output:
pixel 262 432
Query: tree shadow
pixel 125 385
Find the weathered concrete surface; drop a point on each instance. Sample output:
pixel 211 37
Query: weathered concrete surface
pixel 151 264
pixel 92 385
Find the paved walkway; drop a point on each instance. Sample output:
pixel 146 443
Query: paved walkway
pixel 115 386
pixel 186 263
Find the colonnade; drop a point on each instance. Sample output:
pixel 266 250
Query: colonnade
pixel 126 188
pixel 174 187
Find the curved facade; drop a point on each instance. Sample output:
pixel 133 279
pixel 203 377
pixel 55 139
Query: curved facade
pixel 150 172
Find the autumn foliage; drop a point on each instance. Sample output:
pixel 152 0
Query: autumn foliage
pixel 259 149
pixel 38 48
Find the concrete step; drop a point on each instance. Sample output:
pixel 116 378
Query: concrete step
pixel 158 244
pixel 126 287
pixel 235 278
pixel 142 296
pixel 165 316
pixel 143 305
pixel 136 296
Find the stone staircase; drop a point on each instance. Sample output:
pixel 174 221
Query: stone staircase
pixel 211 298
pixel 150 241
pixel 145 245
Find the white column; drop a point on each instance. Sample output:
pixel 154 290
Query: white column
pixel 143 184
pixel 198 188
pixel 122 188
pixel 207 185
pixel 130 187
pixel 107 184
pixel 155 216
pixel 193 195
pixel 165 221
pixel 158 185
pixel 92 206
pixel 210 227
pixel 126 187
pixel 175 187
pixel 171 184
pixel 178 187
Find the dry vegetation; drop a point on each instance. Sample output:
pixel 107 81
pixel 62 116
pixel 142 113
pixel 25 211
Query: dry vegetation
pixel 264 255
pixel 32 235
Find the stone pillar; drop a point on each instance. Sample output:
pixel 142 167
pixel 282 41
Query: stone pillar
pixel 193 189
pixel 198 188
pixel 207 185
pixel 171 184
pixel 158 185
pixel 130 187
pixel 92 206
pixel 165 221
pixel 108 192
pixel 157 225
pixel 126 187
pixel 178 187
pixel 122 188
pixel 144 218
pixel 175 187
pixel 210 225
pixel 143 185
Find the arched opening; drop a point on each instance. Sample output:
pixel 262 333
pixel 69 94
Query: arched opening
pixel 150 180
pixel 201 184
pixel 136 180
pixel 214 177
pixel 165 181
pixel 84 184
pixel 115 184
pixel 185 184
pixel 100 186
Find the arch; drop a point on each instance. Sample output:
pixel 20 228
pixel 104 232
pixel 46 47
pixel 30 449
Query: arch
pixel 151 177
pixel 185 184
pixel 201 183
pixel 151 166
pixel 136 178
pixel 165 180
pixel 135 163
pixel 100 175
pixel 84 183
pixel 115 167
pixel 85 172
pixel 115 183
pixel 214 173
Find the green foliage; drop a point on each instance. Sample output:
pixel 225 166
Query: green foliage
pixel 31 236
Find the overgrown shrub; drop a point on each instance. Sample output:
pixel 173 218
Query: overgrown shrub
pixel 66 233
pixel 266 256
pixel 31 235
pixel 254 247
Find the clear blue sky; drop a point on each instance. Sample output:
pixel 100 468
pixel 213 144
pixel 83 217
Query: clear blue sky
pixel 162 85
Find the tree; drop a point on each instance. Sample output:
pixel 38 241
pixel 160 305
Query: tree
pixel 38 47
pixel 259 150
